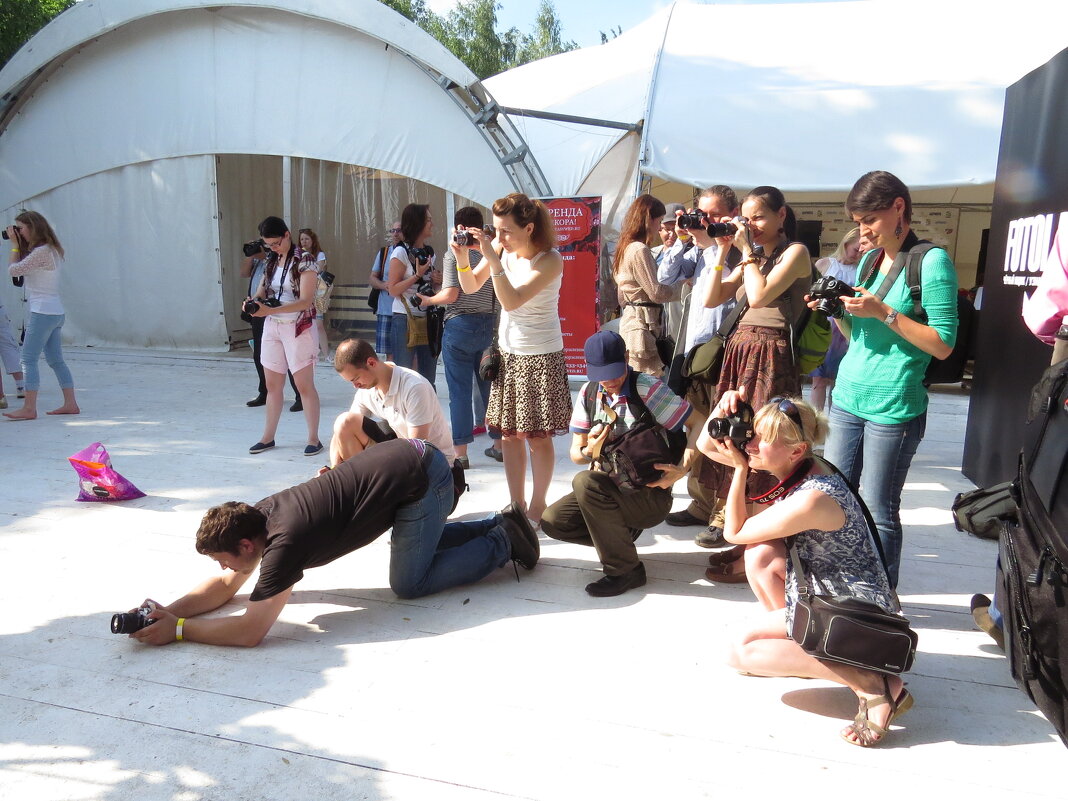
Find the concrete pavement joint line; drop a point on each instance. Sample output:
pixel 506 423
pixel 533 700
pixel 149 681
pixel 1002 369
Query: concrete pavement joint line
pixel 275 748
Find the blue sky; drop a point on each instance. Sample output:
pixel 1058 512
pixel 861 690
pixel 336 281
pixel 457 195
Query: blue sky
pixel 583 20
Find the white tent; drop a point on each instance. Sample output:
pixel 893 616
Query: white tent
pixel 154 134
pixel 805 96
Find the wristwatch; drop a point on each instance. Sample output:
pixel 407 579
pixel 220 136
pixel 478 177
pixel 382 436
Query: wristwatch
pixel 891 317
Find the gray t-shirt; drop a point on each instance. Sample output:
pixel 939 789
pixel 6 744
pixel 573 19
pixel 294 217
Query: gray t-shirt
pixel 481 302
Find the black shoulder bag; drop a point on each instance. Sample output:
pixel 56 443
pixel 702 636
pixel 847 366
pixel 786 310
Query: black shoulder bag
pixel 841 628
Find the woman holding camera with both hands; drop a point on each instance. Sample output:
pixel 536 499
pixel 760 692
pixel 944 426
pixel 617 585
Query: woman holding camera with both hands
pixel 37 258
pixel 815 507
pixel 529 401
pixel 290 342
pixel 879 412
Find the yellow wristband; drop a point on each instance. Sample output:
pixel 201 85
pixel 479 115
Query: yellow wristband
pixel 466 269
pixel 718 268
pixel 178 629
pixel 15 250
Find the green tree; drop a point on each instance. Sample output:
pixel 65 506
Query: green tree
pixel 21 19
pixel 546 39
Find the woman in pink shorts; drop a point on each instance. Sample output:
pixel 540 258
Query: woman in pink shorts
pixel 290 341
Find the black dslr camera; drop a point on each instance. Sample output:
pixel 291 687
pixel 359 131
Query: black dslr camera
pixel 464 239
pixel 691 219
pixel 423 254
pixel 3 233
pixel 827 293
pixel 737 427
pixel 129 622
pixel 254 247
pixel 251 306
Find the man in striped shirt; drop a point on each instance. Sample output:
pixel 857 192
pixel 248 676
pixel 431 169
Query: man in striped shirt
pixel 608 508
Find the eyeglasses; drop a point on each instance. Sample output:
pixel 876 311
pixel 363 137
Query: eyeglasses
pixel 786 406
pixel 394 230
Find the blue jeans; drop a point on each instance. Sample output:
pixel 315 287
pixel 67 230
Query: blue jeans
pixel 403 356
pixel 466 336
pixel 883 453
pixel 428 555
pixel 43 334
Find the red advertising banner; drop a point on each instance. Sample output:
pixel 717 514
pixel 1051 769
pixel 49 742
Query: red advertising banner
pixel 578 235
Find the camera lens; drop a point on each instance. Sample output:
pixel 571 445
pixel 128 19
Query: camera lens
pixel 718 229
pixel 126 623
pixel 4 234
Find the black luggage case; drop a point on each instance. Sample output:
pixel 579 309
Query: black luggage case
pixel 1032 582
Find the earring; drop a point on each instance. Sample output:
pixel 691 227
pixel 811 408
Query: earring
pixel 897 231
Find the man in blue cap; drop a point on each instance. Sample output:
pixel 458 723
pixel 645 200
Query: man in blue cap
pixel 628 427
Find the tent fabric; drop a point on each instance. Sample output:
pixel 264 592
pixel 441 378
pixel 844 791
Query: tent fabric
pixel 797 95
pixel 114 117
pixel 240 78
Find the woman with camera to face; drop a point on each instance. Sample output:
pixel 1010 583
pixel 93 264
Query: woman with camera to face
pixel 529 401
pixel 290 342
pixel 834 544
pixel 775 273
pixel 641 295
pixel 37 258
pixel 410 266
pixel 879 411
pixel 309 243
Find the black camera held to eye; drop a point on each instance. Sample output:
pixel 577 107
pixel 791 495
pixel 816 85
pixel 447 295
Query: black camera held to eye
pixel 737 427
pixel 464 239
pixel 691 219
pixel 251 306
pixel 827 293
pixel 129 622
pixel 254 247
pixel 3 233
pixel 423 254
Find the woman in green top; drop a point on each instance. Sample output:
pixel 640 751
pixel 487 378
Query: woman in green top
pixel 879 411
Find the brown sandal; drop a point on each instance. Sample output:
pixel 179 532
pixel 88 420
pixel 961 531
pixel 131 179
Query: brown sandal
pixel 722 574
pixel 869 734
pixel 727 556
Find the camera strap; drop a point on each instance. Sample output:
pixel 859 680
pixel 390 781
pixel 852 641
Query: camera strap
pixel 785 485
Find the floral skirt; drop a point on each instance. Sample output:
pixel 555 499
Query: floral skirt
pixel 530 397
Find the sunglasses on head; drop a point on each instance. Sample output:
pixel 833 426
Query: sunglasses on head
pixel 786 406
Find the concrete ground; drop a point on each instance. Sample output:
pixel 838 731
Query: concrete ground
pixel 504 689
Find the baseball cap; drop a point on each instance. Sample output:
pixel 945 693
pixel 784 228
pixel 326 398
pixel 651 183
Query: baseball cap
pixel 606 356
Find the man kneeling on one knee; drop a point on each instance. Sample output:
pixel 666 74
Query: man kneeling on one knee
pixel 628 427
pixel 403 484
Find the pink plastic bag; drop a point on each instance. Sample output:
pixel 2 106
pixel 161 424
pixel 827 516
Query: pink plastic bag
pixel 97 480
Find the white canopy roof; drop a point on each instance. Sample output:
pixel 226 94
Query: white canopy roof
pixel 807 97
pixel 115 82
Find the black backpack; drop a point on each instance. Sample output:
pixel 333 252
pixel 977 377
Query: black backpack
pixel 629 457
pixel 1032 580
pixel 949 370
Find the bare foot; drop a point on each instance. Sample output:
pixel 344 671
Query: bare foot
pixel 65 409
pixel 21 414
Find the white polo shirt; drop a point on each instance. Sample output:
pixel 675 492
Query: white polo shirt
pixel 410 401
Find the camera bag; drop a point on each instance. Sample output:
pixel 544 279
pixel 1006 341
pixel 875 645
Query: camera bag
pixel 1032 581
pixel 630 457
pixel 980 511
pixel 850 630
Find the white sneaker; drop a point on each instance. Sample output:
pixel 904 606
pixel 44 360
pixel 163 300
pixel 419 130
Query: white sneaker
pixel 20 392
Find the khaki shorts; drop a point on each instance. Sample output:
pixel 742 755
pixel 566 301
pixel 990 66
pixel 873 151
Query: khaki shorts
pixel 283 351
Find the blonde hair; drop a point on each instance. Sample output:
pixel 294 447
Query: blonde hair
pixel 41 232
pixel 852 236
pixel 775 425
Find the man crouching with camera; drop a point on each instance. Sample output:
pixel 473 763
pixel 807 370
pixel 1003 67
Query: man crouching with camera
pixel 628 427
pixel 405 484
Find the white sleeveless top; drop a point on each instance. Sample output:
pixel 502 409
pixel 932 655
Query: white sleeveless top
pixel 533 328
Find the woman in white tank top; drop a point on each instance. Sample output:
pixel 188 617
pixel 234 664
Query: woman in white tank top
pixel 530 401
